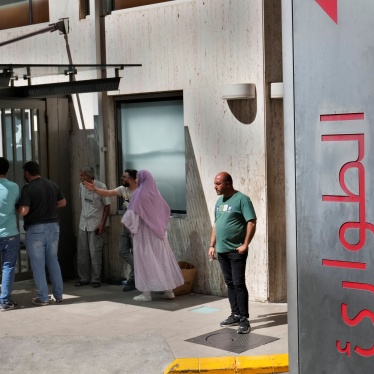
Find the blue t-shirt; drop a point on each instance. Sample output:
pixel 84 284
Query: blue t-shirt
pixel 9 195
pixel 231 217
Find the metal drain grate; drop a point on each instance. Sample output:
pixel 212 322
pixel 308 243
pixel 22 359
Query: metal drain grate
pixel 229 340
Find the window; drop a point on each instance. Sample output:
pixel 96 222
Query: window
pixel 17 13
pixel 84 8
pixel 18 139
pixel 151 137
pixel 19 142
pixel 124 4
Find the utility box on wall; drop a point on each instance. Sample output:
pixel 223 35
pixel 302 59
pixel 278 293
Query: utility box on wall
pixel 328 56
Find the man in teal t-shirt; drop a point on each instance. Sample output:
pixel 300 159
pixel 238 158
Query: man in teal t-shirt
pixel 233 230
pixel 9 235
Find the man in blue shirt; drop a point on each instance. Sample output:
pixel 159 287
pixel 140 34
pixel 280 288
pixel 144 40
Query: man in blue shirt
pixel 233 230
pixel 9 235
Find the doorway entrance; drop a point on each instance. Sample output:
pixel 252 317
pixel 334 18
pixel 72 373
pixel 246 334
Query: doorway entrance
pixel 20 126
pixel 26 135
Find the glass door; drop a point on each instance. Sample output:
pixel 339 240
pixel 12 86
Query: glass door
pixel 22 138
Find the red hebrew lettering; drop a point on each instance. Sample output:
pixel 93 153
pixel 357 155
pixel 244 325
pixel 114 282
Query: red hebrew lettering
pixel 358 286
pixel 364 352
pixel 345 264
pixel 356 320
pixel 351 197
pixel 346 349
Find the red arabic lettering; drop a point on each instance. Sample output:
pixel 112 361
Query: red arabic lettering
pixel 358 286
pixel 346 349
pixel 356 320
pixel 342 117
pixel 351 197
pixel 364 352
pixel 359 350
pixel 344 264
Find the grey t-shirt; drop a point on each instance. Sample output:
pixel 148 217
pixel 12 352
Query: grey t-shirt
pixel 92 207
pixel 126 194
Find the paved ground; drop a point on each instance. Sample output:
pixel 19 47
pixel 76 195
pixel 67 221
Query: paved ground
pixel 104 330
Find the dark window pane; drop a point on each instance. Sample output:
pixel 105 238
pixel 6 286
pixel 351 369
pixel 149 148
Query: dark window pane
pixel 123 4
pixel 18 13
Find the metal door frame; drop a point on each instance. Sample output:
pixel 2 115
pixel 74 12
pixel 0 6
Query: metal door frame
pixel 40 106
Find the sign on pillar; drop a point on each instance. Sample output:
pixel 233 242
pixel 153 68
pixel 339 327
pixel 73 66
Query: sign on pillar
pixel 329 115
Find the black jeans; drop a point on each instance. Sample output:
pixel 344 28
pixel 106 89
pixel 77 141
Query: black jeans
pixel 233 268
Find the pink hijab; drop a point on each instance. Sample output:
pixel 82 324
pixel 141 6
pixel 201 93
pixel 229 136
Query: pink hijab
pixel 148 203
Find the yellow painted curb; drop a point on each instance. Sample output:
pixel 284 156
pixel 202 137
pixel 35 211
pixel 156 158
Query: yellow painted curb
pixel 269 364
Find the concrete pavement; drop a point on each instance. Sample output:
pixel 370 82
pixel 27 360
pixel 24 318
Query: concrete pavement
pixel 103 330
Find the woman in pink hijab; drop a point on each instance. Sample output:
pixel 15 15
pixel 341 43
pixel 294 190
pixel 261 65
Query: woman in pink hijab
pixel 147 217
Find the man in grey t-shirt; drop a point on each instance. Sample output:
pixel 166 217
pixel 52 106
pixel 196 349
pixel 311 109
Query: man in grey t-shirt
pixel 129 185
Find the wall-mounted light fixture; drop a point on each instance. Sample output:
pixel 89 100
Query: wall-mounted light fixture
pixel 241 99
pixel 239 91
pixel 276 90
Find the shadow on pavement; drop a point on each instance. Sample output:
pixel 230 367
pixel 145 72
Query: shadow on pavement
pixel 24 291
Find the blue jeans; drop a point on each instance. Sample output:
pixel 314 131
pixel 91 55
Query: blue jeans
pixel 233 269
pixel 42 247
pixel 9 248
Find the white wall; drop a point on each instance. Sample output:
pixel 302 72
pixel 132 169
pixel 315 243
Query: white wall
pixel 198 46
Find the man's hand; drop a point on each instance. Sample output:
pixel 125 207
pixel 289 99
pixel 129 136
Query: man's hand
pixel 211 253
pixel 89 186
pixel 100 229
pixel 242 249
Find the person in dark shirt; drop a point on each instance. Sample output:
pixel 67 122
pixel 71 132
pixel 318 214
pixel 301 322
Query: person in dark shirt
pixel 38 204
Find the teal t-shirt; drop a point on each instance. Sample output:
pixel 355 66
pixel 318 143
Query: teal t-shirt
pixel 9 195
pixel 231 217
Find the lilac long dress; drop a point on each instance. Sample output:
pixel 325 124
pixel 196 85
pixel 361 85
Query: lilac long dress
pixel 147 217
pixel 156 268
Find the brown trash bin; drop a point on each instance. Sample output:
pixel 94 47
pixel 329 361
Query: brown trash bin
pixel 189 273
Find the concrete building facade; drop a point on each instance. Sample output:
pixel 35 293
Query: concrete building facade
pixel 195 48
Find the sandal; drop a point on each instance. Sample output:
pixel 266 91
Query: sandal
pixel 95 284
pixel 80 283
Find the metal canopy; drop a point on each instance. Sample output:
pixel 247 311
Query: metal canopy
pixel 62 88
pixel 10 73
pixel 28 71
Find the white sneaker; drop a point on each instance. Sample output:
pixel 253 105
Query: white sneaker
pixel 168 295
pixel 143 297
